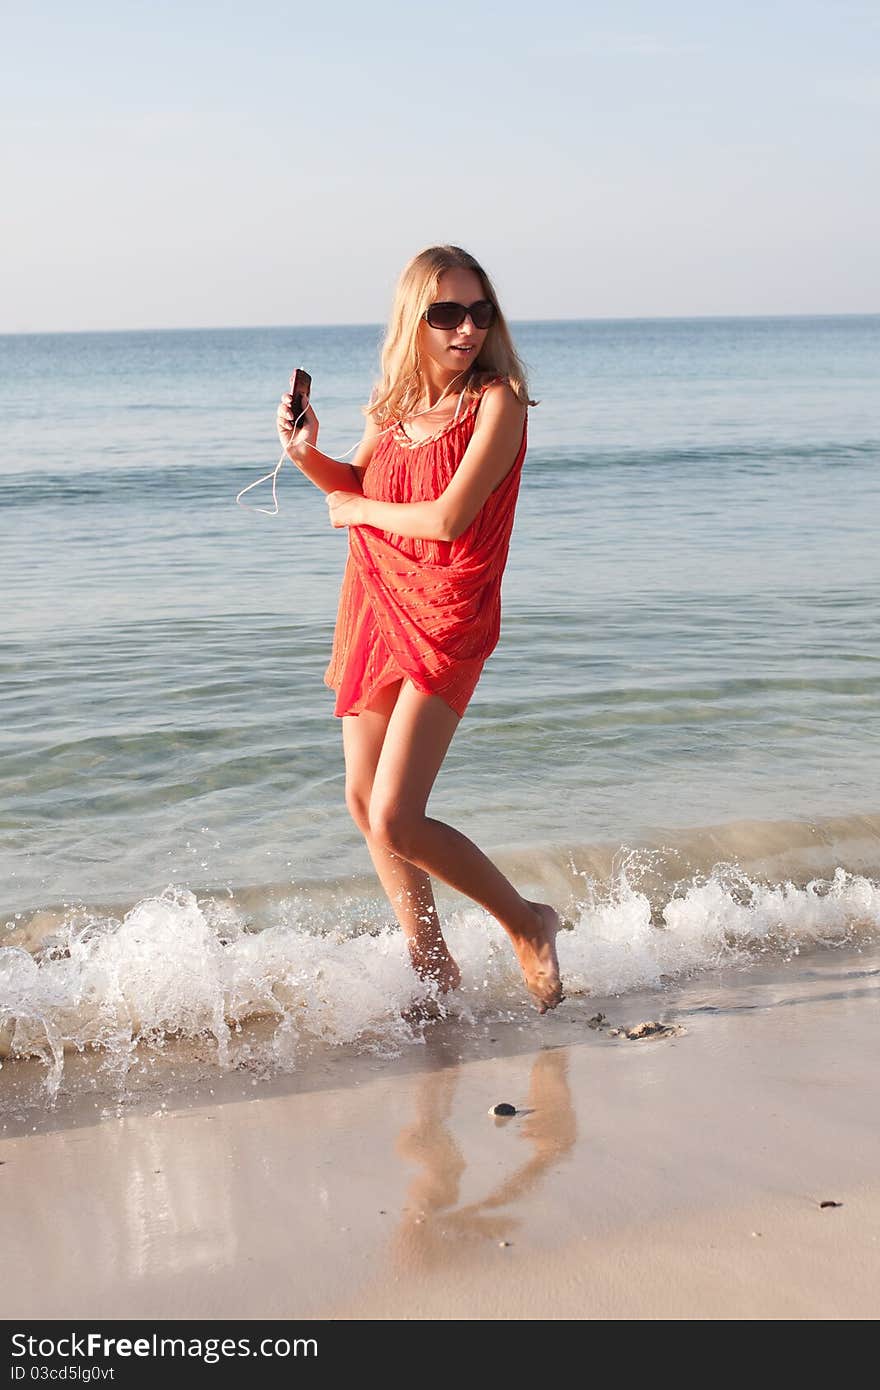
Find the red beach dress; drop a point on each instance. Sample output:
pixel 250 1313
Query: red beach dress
pixel 422 610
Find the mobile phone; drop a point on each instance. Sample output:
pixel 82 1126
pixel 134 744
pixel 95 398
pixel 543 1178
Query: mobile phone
pixel 300 390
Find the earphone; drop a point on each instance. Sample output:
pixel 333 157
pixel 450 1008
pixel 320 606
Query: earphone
pixel 285 459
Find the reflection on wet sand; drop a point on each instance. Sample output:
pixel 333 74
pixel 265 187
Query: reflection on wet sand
pixel 433 1229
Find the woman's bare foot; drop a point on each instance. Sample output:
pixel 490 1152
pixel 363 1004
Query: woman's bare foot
pixel 536 952
pixel 434 965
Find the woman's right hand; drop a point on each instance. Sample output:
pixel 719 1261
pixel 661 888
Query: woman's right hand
pixel 294 442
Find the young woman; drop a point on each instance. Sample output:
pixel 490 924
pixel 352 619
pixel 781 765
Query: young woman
pixel 429 501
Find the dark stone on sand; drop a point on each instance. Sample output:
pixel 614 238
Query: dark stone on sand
pixel 831 1204
pixel 503 1108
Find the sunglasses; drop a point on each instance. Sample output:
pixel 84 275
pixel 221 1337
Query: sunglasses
pixel 448 315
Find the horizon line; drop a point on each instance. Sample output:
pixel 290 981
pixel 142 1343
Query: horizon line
pixel 370 323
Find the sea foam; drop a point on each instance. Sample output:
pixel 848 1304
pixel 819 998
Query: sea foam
pixel 180 966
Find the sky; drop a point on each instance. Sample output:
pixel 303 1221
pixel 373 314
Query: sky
pixel 192 165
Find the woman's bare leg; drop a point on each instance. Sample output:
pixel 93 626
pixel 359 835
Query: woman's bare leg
pixel 418 734
pixel 408 887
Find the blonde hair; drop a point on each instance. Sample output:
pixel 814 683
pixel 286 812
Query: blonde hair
pixel 399 393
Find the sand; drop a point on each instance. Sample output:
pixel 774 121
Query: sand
pixel 672 1177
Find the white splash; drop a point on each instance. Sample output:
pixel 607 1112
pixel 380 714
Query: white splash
pixel 180 967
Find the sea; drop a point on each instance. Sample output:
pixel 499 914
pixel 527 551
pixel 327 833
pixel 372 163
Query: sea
pixel 677 740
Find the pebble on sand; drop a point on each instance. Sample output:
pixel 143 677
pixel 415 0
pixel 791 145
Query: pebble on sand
pixel 503 1108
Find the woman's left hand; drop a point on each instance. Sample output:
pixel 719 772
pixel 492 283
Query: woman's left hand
pixel 345 508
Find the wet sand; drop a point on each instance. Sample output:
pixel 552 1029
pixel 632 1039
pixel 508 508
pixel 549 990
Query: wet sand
pixel 676 1176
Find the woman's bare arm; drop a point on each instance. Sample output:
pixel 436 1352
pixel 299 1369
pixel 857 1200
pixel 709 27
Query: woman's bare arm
pixel 486 461
pixel 330 475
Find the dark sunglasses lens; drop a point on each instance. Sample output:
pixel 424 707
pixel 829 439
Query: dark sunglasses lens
pixel 448 315
pixel 445 315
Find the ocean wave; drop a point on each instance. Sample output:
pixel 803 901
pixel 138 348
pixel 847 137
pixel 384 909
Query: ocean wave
pixel 186 966
pixel 746 455
pixel 118 483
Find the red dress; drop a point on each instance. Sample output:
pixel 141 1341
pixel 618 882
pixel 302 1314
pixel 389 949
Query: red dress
pixel 422 610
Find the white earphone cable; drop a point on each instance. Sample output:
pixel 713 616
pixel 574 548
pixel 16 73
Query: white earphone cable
pixel 286 459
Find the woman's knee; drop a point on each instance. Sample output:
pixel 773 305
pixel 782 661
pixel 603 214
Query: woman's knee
pixel 357 799
pixel 395 827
